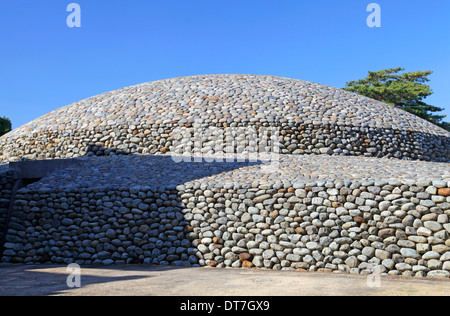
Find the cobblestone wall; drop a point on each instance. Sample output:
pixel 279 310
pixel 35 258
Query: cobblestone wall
pixel 6 185
pixel 293 138
pixel 390 227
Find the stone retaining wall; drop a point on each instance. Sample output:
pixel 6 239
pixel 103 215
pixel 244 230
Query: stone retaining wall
pixel 294 138
pixel 7 180
pixel 390 227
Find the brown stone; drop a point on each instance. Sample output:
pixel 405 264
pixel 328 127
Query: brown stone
pixel 291 190
pixel 359 219
pixel 386 232
pixel 300 230
pixel 245 256
pixel 164 149
pixel 247 264
pixel 336 204
pixel 273 214
pixel 444 191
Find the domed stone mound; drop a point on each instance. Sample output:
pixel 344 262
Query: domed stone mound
pixel 309 118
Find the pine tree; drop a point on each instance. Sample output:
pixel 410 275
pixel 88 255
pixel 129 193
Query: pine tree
pixel 403 90
pixel 5 125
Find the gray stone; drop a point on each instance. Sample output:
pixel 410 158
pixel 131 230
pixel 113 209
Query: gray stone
pixel 431 255
pixel 258 218
pixel 409 253
pixel 111 233
pixel 382 254
pixel 261 198
pixel 423 231
pixel 293 258
pixel 388 263
pixel 403 267
pixel 433 226
pixel 104 255
pixel 313 245
pixel 368 251
pixel 258 261
pixel 438 274
pixel 434 264
pixel 352 262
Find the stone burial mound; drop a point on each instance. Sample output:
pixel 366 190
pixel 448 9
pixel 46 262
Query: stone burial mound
pixel 230 171
pixel 311 119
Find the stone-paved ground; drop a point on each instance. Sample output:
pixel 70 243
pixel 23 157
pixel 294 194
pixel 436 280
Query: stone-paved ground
pixel 159 170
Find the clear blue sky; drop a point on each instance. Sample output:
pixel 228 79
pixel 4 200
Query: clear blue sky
pixel 44 64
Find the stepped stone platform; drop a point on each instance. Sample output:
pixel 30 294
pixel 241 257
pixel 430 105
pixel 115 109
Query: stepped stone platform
pixel 318 213
pixel 234 171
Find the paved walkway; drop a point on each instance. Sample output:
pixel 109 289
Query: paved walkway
pixel 169 281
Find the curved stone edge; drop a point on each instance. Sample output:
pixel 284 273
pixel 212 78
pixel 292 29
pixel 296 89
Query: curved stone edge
pixel 58 119
pixel 385 227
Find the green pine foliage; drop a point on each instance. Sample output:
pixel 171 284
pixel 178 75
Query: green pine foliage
pixel 5 125
pixel 405 90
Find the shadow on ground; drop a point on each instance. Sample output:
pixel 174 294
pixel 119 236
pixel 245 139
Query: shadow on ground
pixel 48 280
pixel 145 280
pixel 162 174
